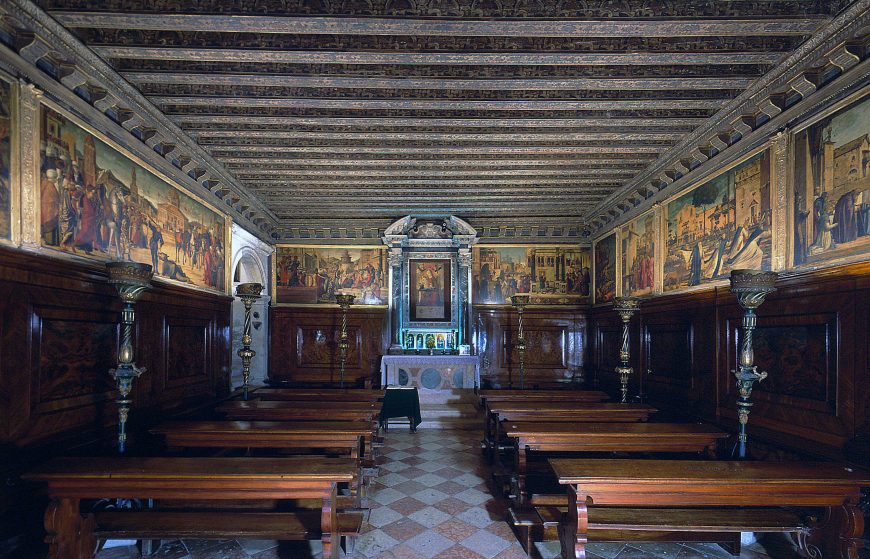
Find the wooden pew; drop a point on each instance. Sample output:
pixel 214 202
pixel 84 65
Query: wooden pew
pixel 299 394
pixel 676 495
pixel 71 534
pixel 258 410
pixel 587 396
pixel 555 412
pixel 603 437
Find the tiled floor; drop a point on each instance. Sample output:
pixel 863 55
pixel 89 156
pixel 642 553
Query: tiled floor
pixel 431 500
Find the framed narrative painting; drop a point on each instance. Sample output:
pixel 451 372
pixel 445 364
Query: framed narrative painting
pixel 312 275
pixel 550 274
pixel 638 254
pixel 99 203
pixel 8 179
pixel 721 225
pixel 604 253
pixel 429 293
pixel 831 198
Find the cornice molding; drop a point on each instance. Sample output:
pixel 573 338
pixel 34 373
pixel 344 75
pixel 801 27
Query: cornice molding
pixel 818 63
pixel 87 76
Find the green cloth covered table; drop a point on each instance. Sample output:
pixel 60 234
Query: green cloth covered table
pixel 401 402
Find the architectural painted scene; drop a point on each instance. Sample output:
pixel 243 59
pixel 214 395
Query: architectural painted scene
pixel 638 256
pixel 5 159
pixel 605 269
pixel 311 275
pixel 97 203
pixel 832 187
pixel 722 225
pixel 552 275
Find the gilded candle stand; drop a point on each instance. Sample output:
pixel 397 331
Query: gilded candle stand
pixel 519 302
pixel 625 307
pixel 248 293
pixel 750 287
pixel 130 279
pixel 344 302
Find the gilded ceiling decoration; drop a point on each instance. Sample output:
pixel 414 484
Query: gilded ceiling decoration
pixel 528 118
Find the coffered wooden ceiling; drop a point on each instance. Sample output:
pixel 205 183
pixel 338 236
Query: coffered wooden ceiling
pixel 354 113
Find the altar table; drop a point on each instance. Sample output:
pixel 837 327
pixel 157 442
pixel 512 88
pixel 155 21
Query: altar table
pixel 431 372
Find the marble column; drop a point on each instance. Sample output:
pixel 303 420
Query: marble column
pixel 395 259
pixel 464 293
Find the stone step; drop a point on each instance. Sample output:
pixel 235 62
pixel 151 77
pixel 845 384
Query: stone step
pixel 455 395
pixel 431 411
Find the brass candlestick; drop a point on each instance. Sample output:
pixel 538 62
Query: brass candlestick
pixel 248 293
pixel 625 307
pixel 130 279
pixel 751 287
pixel 344 301
pixel 519 302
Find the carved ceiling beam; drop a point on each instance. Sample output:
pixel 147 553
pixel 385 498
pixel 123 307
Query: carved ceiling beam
pixel 314 25
pixel 531 84
pixel 471 150
pixel 739 119
pixel 228 122
pixel 254 162
pixel 187 54
pixel 332 176
pixel 437 104
pixel 595 189
pixel 77 68
pixel 621 137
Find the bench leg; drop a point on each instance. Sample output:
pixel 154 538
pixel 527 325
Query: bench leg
pixel 573 533
pixel 838 534
pixel 69 534
pixel 329 527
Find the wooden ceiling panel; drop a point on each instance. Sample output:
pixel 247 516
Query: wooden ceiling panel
pixel 332 113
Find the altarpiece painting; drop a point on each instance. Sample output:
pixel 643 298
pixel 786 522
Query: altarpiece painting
pixel 429 290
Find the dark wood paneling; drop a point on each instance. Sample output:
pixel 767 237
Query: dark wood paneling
pixel 555 346
pixel 303 344
pixel 59 336
pixel 812 340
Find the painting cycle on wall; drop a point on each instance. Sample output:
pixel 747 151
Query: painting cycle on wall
pixel 721 225
pixel 604 253
pixel 831 199
pixel 5 158
pixel 549 274
pixel 309 275
pixel 97 203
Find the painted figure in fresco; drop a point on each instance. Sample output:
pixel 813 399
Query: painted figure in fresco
pixel 800 231
pixel 67 216
pixel 744 251
pixel 846 218
pixel 695 264
pixel 864 212
pixel 155 244
pixel 819 211
pixel 824 239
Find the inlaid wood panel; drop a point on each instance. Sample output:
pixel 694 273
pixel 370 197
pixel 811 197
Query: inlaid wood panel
pixel 303 344
pixel 555 346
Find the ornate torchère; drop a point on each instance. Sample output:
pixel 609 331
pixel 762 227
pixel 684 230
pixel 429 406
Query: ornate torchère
pixel 344 302
pixel 625 307
pixel 519 302
pixel 248 293
pixel 130 279
pixel 751 287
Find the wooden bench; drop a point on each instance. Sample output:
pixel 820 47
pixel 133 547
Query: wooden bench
pixel 259 410
pixel 721 525
pixel 666 488
pixel 579 437
pixel 71 534
pixel 336 395
pixel 149 525
pixel 577 396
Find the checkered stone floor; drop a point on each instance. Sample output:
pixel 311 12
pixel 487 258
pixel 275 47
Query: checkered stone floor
pixel 432 500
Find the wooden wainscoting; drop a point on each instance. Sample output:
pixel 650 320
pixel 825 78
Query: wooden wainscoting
pixel 303 344
pixel 555 346
pixel 812 340
pixel 59 337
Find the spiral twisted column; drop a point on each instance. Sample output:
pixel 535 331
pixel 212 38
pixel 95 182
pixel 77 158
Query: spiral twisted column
pixel 519 302
pixel 130 279
pixel 750 287
pixel 625 307
pixel 248 293
pixel 344 302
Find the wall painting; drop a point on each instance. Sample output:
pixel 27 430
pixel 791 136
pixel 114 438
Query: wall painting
pixel 97 203
pixel 605 269
pixel 832 187
pixel 722 225
pixel 6 193
pixel 551 275
pixel 314 274
pixel 638 255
